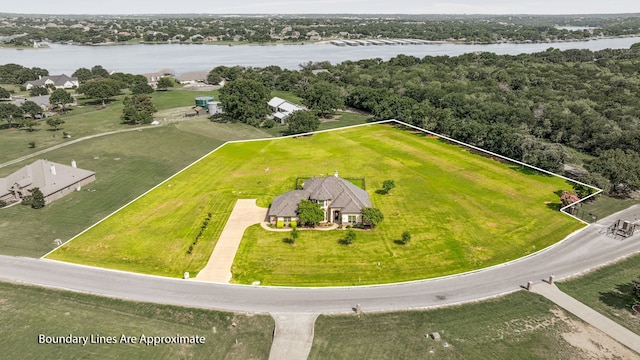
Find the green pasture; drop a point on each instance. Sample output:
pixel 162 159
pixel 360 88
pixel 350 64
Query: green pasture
pixel 463 210
pixel 603 206
pixel 26 312
pixel 517 326
pixel 83 120
pixel 609 290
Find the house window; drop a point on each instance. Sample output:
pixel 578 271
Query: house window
pixel 287 219
pixel 352 218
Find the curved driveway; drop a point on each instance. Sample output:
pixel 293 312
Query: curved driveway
pixel 585 250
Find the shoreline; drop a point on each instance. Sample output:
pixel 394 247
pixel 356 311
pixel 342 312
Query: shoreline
pixel 328 41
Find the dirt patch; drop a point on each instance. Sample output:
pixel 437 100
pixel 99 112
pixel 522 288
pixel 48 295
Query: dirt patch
pixel 490 224
pixel 593 343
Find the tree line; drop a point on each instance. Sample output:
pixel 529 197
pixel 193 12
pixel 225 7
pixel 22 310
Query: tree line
pixel 547 109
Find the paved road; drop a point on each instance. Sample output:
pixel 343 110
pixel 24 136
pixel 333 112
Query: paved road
pixel 580 252
pixel 597 320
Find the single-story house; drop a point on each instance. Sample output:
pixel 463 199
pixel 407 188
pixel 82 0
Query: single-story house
pixel 192 77
pixel 152 78
pixel 341 201
pixel 43 101
pixel 58 81
pixel 282 108
pixel 53 179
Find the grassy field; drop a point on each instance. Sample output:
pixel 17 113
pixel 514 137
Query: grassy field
pixel 26 312
pixel 126 165
pixel 603 206
pixel 517 326
pixel 608 290
pixel 463 210
pixel 85 120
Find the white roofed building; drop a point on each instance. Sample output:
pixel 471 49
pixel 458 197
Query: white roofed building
pixel 282 108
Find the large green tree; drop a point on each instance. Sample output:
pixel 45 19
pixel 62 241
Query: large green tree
pixel 302 122
pixel 621 167
pixel 83 75
pixel 4 93
pixel 60 98
pixel 10 112
pixel 38 91
pixel 31 108
pixel 310 213
pixel 141 88
pixel 323 98
pixel 245 100
pixel 164 83
pixel 138 109
pixel 55 122
pixel 101 89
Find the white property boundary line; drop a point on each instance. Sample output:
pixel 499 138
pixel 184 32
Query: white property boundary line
pixel 598 191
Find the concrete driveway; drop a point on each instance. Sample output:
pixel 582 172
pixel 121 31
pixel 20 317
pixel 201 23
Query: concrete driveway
pixel 245 213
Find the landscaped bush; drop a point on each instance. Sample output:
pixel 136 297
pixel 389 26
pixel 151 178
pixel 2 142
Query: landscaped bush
pixel 293 224
pixel 279 224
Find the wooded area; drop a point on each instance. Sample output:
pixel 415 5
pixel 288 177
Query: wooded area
pixel 548 109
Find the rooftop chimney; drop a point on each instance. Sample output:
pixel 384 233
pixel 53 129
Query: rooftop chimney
pixel 73 164
pixel 335 173
pixel 53 169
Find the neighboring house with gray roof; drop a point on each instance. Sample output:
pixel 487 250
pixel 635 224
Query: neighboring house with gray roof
pixel 58 81
pixel 53 179
pixel 341 201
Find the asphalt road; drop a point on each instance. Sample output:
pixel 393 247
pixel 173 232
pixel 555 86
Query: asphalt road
pixel 588 249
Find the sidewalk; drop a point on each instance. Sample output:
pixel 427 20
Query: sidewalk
pixel 590 316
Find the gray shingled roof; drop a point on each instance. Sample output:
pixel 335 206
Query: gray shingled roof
pixel 40 175
pixel 58 80
pixel 287 203
pixel 345 196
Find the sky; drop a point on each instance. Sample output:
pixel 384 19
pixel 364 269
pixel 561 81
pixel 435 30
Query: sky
pixel 321 7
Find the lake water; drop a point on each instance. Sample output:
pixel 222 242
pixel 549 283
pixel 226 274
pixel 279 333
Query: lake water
pixel 140 59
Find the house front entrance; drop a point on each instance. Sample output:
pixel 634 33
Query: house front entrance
pixel 337 217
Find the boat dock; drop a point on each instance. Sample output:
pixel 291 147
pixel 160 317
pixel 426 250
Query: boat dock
pixel 379 42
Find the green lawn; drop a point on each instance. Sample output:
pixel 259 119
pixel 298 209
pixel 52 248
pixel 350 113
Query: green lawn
pixel 84 120
pixel 608 290
pixel 517 326
pixel 126 166
pixel 603 206
pixel 28 312
pixel 464 211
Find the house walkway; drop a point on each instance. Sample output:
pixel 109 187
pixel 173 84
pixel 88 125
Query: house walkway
pixel 245 213
pixel 590 316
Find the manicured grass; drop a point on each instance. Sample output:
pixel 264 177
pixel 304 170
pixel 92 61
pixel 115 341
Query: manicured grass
pixel 603 206
pixel 28 312
pixel 126 165
pixel 608 291
pixel 463 210
pixel 517 326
